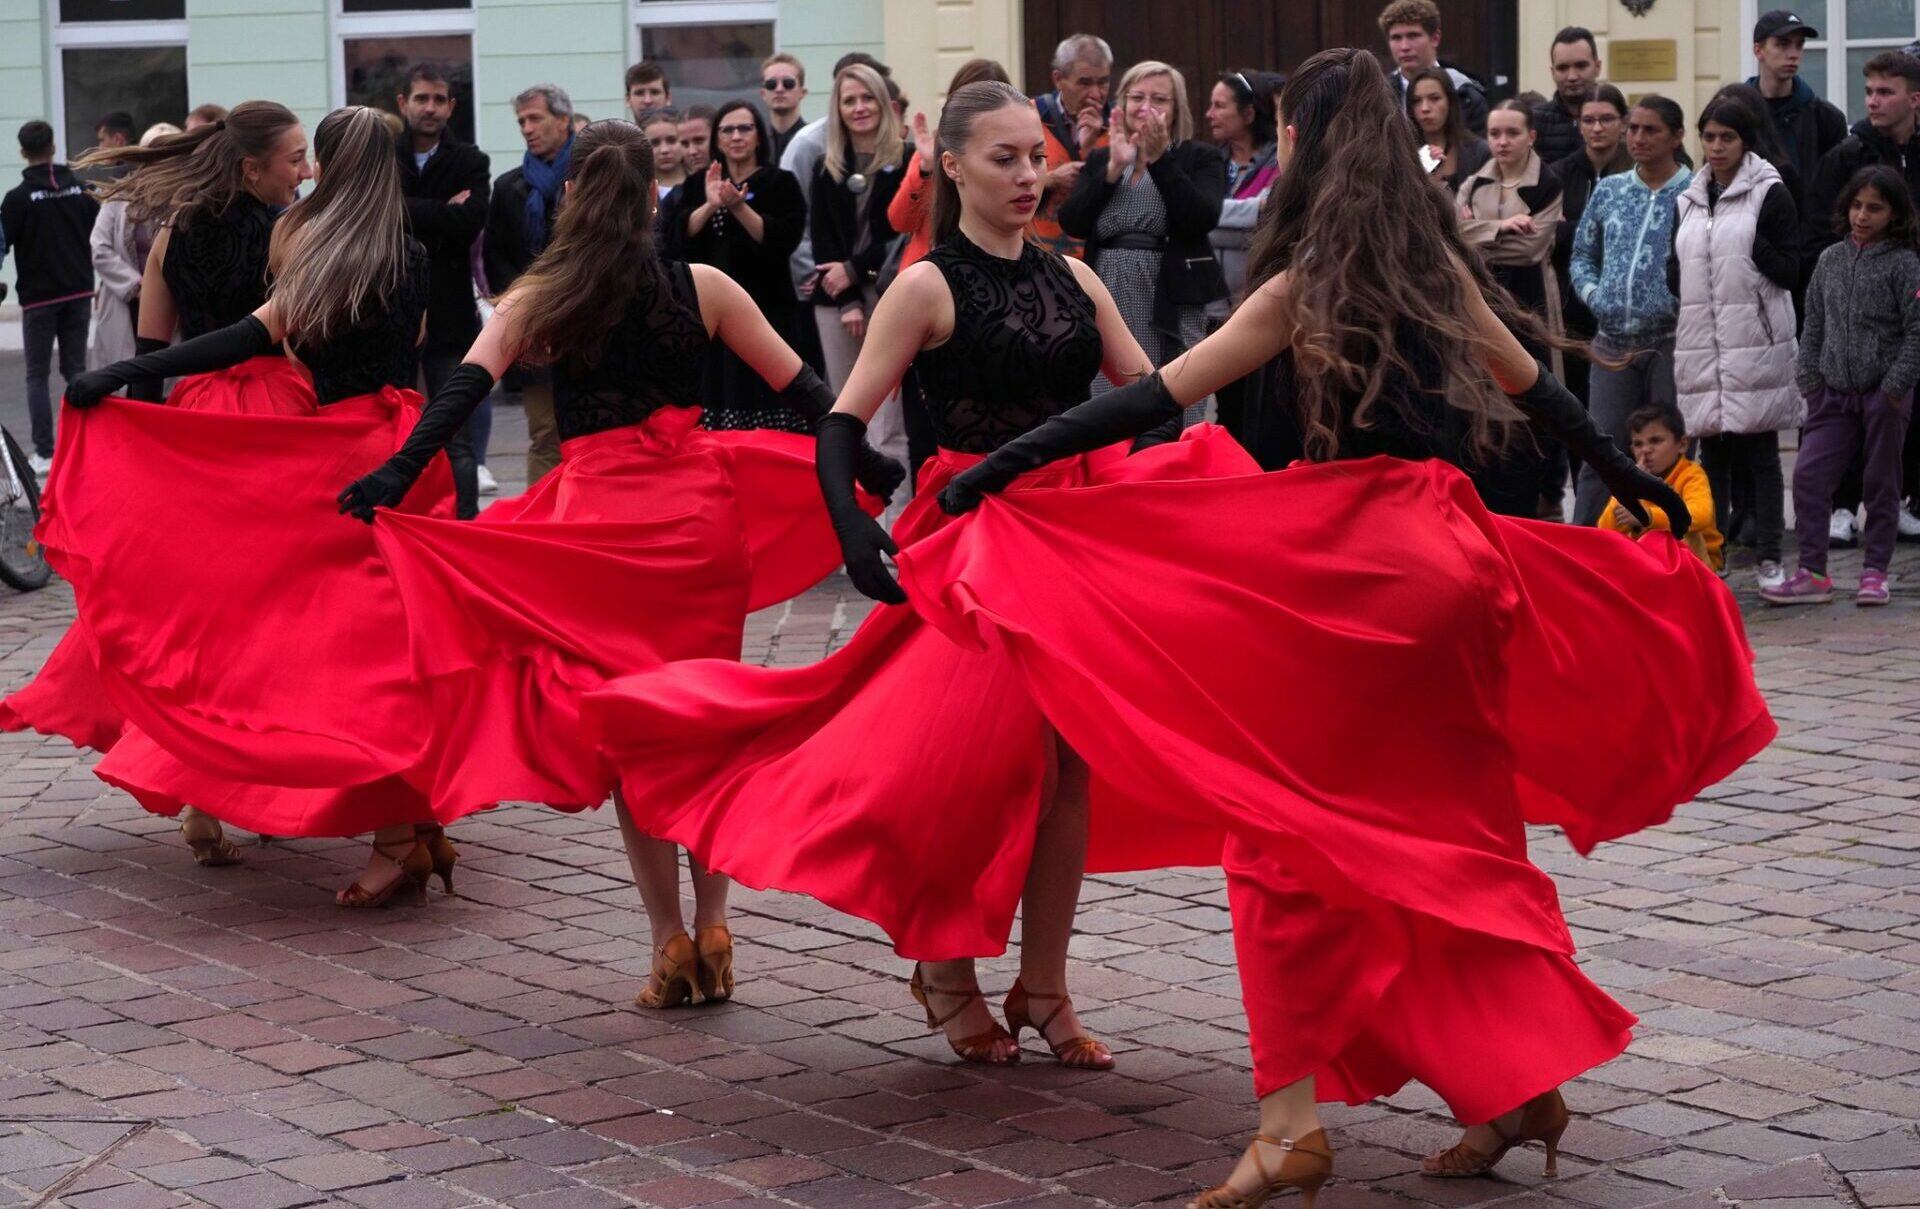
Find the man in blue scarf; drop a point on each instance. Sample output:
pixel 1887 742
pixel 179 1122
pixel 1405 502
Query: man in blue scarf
pixel 519 224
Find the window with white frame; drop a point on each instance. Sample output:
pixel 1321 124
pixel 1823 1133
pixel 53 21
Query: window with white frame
pixel 116 56
pixel 1851 32
pixel 378 42
pixel 711 49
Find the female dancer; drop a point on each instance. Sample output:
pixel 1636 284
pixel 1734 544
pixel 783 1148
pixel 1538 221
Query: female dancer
pixel 1387 916
pixel 216 189
pixel 652 540
pixel 348 297
pixel 1008 831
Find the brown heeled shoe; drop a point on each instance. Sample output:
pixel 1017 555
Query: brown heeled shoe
pixel 1307 1165
pixel 713 945
pixel 978 1048
pixel 1542 1119
pixel 440 848
pixel 207 840
pixel 671 983
pixel 1080 1053
pixel 414 867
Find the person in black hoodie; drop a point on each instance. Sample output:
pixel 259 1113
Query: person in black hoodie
pixel 447 185
pixel 1808 127
pixel 48 218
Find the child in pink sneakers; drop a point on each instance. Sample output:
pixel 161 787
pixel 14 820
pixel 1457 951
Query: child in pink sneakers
pixel 1859 360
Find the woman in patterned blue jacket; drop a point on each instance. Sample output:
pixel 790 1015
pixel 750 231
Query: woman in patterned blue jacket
pixel 1619 270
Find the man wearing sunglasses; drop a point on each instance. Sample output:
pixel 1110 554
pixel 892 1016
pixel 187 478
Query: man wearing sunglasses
pixel 783 85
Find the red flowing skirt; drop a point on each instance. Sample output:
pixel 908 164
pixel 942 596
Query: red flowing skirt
pixel 66 697
pixel 1349 679
pixel 650 543
pixel 210 613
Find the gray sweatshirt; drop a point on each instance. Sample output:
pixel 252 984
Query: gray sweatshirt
pixel 1863 321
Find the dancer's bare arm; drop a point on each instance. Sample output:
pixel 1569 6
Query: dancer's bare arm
pixel 734 318
pixel 158 315
pixel 1122 359
pixel 915 313
pixel 1254 335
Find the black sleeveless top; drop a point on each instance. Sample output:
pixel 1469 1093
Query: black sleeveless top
pixel 216 266
pixel 652 359
pixel 1024 348
pixel 1412 418
pixel 382 349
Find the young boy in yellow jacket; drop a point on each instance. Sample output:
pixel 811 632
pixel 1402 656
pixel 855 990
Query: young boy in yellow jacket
pixel 1659 437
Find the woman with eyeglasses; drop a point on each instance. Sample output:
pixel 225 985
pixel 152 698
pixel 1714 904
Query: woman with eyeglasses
pixel 1147 204
pixel 744 216
pixel 1602 153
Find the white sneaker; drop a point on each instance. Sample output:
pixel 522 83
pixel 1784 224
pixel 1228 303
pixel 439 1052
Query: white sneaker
pixel 1772 575
pixel 487 484
pixel 39 465
pixel 1840 529
pixel 1909 523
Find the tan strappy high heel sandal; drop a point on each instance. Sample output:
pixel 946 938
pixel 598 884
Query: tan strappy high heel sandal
pixel 1306 1165
pixel 671 983
pixel 979 1048
pixel 1542 1119
pixel 1080 1053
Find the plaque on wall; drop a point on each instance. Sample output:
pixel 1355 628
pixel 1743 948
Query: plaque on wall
pixel 1650 59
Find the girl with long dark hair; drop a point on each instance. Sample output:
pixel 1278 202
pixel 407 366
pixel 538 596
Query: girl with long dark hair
pixel 1140 612
pixel 215 675
pixel 1451 153
pixel 652 541
pixel 214 191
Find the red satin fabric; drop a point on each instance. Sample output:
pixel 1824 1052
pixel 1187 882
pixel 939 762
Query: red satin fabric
pixel 207 607
pixel 1351 670
pixel 649 543
pixel 258 386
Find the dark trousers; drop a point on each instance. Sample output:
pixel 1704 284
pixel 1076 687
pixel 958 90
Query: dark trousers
pixel 436 366
pixel 1613 395
pixel 41 326
pixel 1837 425
pixel 1755 458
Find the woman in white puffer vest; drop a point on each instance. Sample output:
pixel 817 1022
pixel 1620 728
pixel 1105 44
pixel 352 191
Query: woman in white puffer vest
pixel 1735 260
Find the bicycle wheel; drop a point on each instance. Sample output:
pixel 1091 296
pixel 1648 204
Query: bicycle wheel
pixel 23 564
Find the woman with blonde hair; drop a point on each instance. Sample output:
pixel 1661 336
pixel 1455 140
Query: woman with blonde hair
pixel 1146 204
pixel 223 691
pixel 864 162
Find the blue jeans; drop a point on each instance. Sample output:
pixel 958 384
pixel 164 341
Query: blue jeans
pixel 41 326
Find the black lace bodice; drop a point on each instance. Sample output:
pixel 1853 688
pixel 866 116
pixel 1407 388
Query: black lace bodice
pixel 216 266
pixel 1024 346
pixel 652 359
pixel 382 349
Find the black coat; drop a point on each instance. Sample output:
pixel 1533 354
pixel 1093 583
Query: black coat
pixel 1808 128
pixel 1862 147
pixel 836 221
pixel 507 253
pixel 1557 132
pixel 1192 180
pixel 759 266
pixel 447 232
pixel 1577 177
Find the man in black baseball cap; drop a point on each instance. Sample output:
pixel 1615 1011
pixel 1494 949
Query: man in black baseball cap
pixel 1808 126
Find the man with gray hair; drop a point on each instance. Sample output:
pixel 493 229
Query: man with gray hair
pixel 519 224
pixel 1074 116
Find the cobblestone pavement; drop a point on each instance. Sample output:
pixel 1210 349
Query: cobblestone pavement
pixel 177 1036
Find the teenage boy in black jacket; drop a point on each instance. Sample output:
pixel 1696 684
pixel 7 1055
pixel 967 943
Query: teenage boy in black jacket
pixel 48 218
pixel 447 185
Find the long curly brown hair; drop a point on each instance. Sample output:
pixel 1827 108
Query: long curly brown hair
pixel 182 175
pixel 602 255
pixel 1370 246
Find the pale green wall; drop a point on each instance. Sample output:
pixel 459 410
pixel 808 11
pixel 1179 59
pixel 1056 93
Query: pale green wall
pixel 282 50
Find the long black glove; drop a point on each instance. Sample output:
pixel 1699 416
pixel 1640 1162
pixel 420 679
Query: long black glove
pixel 862 540
pixel 147 389
pixel 203 354
pixel 809 396
pixel 1554 407
pixel 1126 412
pixel 389 482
